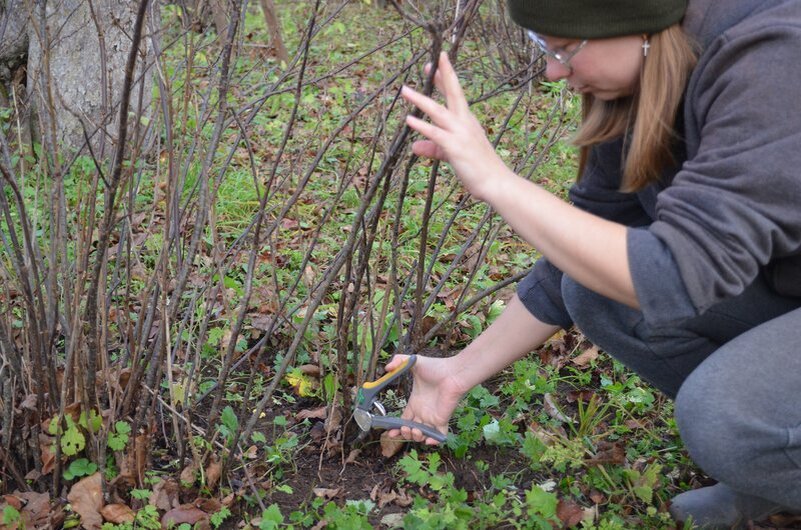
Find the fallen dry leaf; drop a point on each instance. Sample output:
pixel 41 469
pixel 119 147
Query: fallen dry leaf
pixel 86 498
pixel 552 410
pixel 165 495
pixel 390 446
pixel 318 414
pixel 189 473
pixel 228 500
pixel 48 454
pixel 609 453
pixel 353 455
pixel 386 497
pixel 393 520
pixel 34 509
pixel 141 452
pixel 312 370
pixel 569 512
pixel 13 501
pixel 213 473
pixel 327 493
pixel 597 497
pixel 334 420
pixel 403 499
pixel 586 357
pixel 117 513
pixel 208 505
pixel 185 513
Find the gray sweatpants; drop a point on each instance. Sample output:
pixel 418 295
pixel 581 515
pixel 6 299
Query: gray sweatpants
pixel 735 373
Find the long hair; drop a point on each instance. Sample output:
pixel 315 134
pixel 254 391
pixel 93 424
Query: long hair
pixel 647 119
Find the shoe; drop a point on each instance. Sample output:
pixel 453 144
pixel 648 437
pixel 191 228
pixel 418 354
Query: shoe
pixel 719 507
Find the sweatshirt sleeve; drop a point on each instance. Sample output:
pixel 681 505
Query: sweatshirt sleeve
pixel 734 206
pixel 597 192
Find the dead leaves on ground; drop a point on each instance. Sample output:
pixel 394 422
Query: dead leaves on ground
pixel 88 501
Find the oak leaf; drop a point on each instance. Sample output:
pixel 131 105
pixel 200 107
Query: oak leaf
pixel 86 498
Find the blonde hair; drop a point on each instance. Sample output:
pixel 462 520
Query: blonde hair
pixel 648 117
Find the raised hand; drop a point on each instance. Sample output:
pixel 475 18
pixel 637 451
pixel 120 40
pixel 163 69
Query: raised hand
pixel 455 135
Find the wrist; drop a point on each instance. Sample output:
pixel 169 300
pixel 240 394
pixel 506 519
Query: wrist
pixel 501 186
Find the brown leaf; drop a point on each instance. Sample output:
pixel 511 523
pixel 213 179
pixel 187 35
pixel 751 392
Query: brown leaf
pixel 318 413
pixel 390 446
pixel 597 497
pixel 312 370
pixel 213 473
pixel 386 497
pixel 86 497
pixel 334 420
pixel 353 455
pixel 553 410
pixel 586 357
pixel 251 453
pixel 404 499
pixel 34 508
pixel 117 513
pixel 185 513
pixel 135 462
pixel 570 513
pixel 327 493
pixel 13 501
pixel 208 505
pixel 228 500
pixel 189 473
pixel 165 495
pixel 609 453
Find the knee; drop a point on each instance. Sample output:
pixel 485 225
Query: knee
pixel 716 434
pixel 602 320
pixel 586 308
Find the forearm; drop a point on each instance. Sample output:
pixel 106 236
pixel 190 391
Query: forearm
pixel 515 333
pixel 589 249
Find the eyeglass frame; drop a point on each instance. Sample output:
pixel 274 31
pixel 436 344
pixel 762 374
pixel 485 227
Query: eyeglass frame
pixel 563 59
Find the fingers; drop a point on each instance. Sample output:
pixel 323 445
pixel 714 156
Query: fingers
pixel 427 149
pixel 430 131
pixel 438 113
pixel 449 84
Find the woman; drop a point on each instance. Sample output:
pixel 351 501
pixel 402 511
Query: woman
pixel 680 254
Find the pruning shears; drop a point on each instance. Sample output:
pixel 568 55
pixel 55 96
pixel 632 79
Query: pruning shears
pixel 366 400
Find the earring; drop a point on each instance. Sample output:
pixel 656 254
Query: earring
pixel 645 46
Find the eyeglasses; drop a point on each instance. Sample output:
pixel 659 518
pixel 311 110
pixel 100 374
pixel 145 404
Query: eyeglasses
pixel 560 55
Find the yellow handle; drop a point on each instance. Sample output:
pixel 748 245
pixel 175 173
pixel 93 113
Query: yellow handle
pixel 384 378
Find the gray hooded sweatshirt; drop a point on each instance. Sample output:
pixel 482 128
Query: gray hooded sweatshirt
pixel 731 208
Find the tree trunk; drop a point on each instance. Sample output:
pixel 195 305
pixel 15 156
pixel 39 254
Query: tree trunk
pixel 76 62
pixel 274 26
pixel 13 36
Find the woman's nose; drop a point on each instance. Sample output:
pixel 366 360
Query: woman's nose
pixel 555 71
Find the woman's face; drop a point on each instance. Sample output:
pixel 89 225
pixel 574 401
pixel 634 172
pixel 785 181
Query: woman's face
pixel 606 68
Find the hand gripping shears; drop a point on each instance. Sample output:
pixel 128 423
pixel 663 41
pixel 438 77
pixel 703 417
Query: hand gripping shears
pixel 366 399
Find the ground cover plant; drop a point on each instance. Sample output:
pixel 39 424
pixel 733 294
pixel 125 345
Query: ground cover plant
pixel 188 310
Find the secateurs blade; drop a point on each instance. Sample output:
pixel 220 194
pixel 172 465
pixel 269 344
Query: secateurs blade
pixel 366 399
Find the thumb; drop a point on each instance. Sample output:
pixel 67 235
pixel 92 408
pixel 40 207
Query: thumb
pixel 395 362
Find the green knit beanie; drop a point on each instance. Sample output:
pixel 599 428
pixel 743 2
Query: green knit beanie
pixel 595 19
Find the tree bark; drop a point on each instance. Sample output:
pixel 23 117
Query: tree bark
pixel 274 27
pixel 76 60
pixel 13 36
